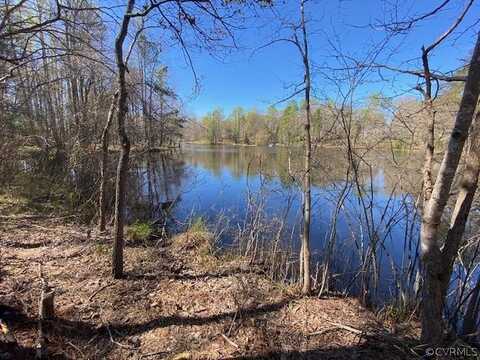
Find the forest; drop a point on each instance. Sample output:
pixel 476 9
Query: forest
pixel 371 124
pixel 239 179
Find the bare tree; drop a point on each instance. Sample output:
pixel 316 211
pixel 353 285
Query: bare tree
pixel 122 170
pixel 428 101
pixel 307 198
pixel 298 37
pixel 438 261
pixel 104 164
pixel 438 257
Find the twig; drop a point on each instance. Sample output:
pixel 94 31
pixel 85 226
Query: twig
pixel 99 290
pixel 23 217
pixel 116 342
pixel 349 328
pixel 76 348
pixel 233 322
pixel 345 327
pixel 230 341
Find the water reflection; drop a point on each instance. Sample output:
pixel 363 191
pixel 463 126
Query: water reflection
pixel 156 185
pixel 366 227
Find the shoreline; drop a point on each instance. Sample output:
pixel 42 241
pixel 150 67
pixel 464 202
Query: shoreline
pixel 299 146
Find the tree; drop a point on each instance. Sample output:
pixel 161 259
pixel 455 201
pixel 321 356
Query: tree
pixel 437 261
pixel 271 124
pixel 288 127
pixel 201 18
pixel 237 119
pixel 104 165
pixel 297 35
pixel 307 202
pixel 213 123
pixel 121 181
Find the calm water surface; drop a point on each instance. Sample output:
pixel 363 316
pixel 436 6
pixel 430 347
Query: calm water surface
pixel 220 183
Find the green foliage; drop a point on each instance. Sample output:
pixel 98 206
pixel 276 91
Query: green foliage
pixel 367 123
pixel 289 130
pixel 28 151
pixel 234 124
pixel 212 122
pixel 139 231
pixel 12 204
pixel 43 194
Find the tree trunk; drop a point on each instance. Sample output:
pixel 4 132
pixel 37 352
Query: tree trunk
pixel 104 164
pixel 46 307
pixel 122 170
pixel 51 120
pixel 468 186
pixel 307 202
pixel 433 264
pixel 430 135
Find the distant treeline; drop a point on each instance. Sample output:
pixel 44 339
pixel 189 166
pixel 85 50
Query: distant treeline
pixel 379 120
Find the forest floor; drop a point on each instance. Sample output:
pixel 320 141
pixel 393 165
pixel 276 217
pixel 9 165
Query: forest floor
pixel 177 301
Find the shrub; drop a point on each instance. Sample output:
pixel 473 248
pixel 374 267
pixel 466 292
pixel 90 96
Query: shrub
pixel 139 231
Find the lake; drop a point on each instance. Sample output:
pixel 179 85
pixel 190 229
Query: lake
pixel 364 220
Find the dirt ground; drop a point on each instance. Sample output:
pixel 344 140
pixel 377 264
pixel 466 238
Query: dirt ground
pixel 176 302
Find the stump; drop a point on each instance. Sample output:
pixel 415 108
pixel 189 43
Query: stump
pixel 46 311
pixel 46 308
pixel 40 348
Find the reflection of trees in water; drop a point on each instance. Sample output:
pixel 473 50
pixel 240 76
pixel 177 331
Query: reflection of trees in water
pixel 155 185
pixel 330 165
pixel 156 178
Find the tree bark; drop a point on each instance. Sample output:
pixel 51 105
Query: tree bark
pixel 50 120
pixel 46 304
pixel 122 170
pixel 433 265
pixel 468 187
pixel 430 135
pixel 307 202
pixel 104 163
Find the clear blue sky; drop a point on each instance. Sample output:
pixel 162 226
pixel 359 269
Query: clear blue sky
pixel 259 80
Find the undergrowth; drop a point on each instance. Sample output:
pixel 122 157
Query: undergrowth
pixel 139 231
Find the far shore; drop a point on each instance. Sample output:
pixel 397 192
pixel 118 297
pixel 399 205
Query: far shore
pixel 330 145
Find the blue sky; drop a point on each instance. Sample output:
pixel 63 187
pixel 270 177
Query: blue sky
pixel 259 80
